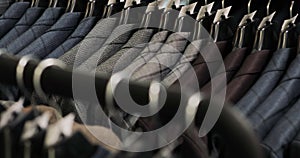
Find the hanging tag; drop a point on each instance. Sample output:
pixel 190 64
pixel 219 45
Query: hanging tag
pixel 32 127
pixel 189 8
pixel 8 115
pixel 62 128
pixel 266 20
pixel 288 22
pixel 247 17
pixel 205 10
pixel 222 13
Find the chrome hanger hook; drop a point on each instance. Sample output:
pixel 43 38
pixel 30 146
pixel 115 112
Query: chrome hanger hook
pixel 249 6
pixel 92 8
pixel 32 3
pixel 291 9
pixel 205 2
pixel 37 2
pixel 52 3
pixel 268 7
pixel 223 4
pixel 71 6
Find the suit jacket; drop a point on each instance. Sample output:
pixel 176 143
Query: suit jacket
pixel 247 75
pixel 232 63
pixel 91 43
pixel 78 35
pixel 135 44
pixel 11 16
pixel 267 81
pixel 28 19
pixel 190 54
pixel 281 98
pixel 53 37
pixel 283 133
pixel 160 65
pixel 49 17
pixel 156 42
pixel 113 44
pixel 210 57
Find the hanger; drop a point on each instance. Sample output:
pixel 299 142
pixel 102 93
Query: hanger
pixel 126 10
pixel 246 30
pixel 202 20
pixel 71 6
pixel 90 8
pixel 288 35
pixel 184 12
pixel 153 11
pixel 220 24
pixel 11 113
pixel 34 3
pixel 108 8
pixel 169 14
pixel 265 34
pixel 57 132
pixel 33 127
pixel 53 3
pixel 117 7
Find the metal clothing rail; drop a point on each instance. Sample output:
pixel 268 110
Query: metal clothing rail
pixel 54 80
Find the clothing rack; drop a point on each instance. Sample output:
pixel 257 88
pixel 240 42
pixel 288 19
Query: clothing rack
pixel 229 125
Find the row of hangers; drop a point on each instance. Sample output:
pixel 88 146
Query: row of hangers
pixel 90 5
pixel 249 32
